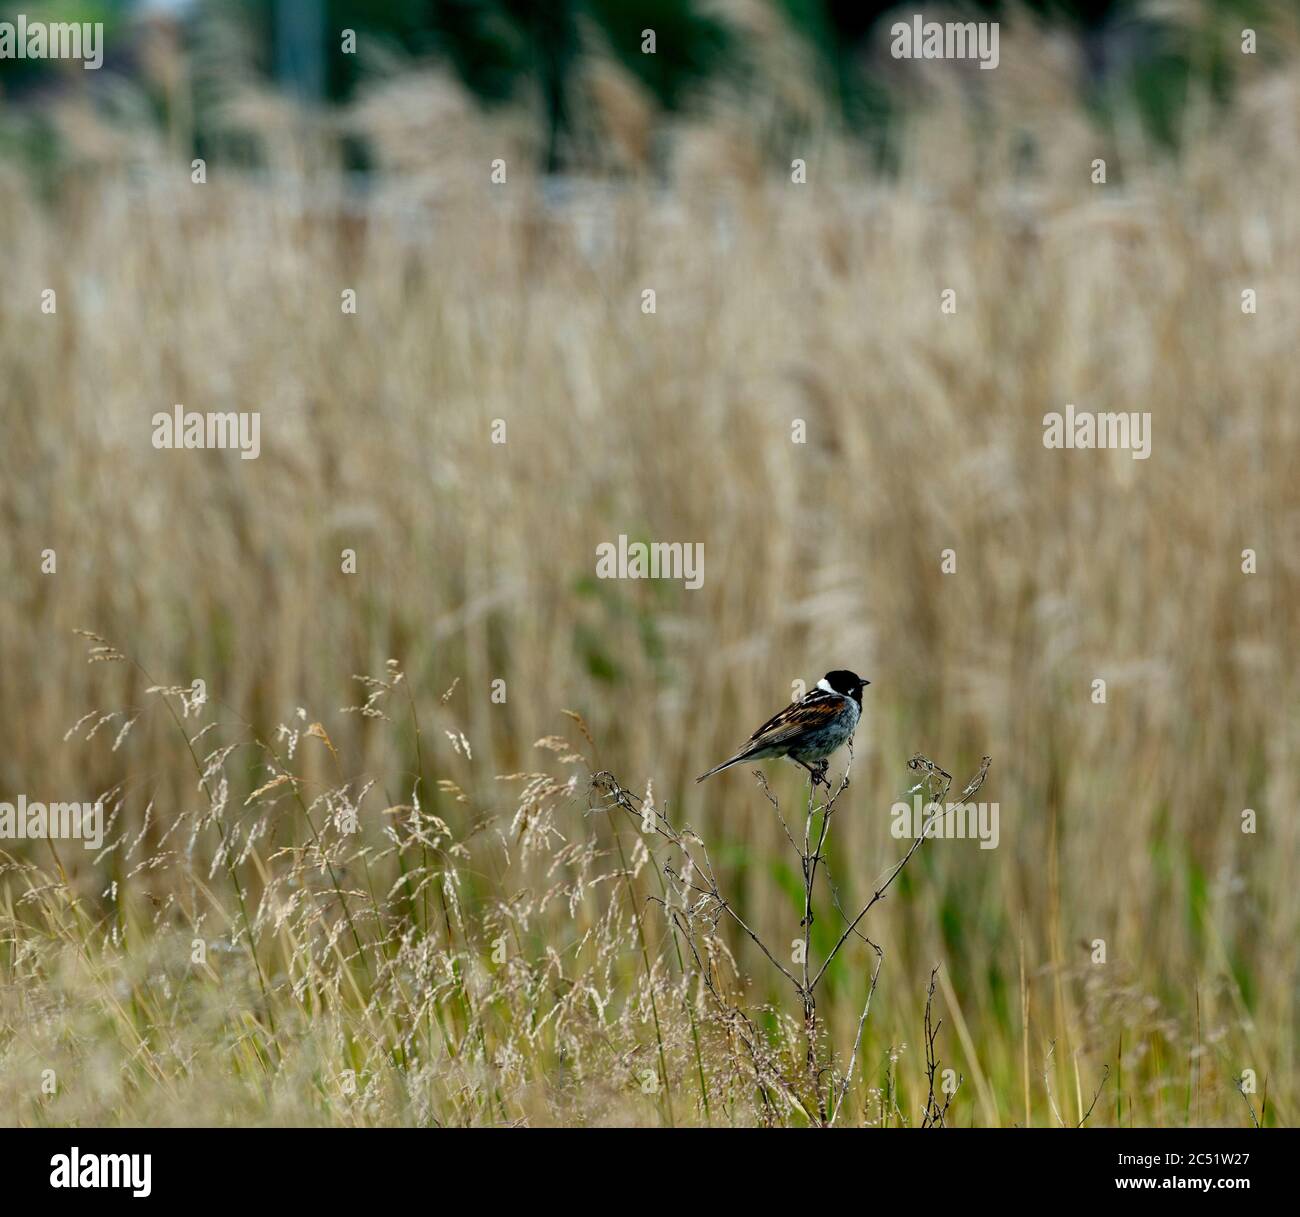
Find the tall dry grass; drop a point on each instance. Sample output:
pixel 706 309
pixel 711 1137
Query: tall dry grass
pixel 351 978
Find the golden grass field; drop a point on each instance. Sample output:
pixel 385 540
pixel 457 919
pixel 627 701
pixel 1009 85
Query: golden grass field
pixel 495 956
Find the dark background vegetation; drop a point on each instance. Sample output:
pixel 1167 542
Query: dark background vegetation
pixel 506 50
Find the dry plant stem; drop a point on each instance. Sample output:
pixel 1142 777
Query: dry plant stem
pixel 320 845
pixel 690 1016
pixel 709 906
pixel 230 868
pixel 809 858
pixel 696 878
pixel 711 896
pixel 857 1037
pixel 1105 1073
pixel 649 976
pixel 934 1115
pixel 419 764
pixel 738 1023
pixel 930 769
pixel 1250 1107
pixel 681 965
pixel 1047 1082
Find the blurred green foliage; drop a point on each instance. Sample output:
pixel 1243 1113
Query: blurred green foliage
pixel 503 51
pixel 21 74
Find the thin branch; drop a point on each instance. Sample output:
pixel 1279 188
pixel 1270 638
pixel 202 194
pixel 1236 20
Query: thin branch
pixel 862 1022
pixel 660 823
pixel 1250 1107
pixel 1105 1073
pixel 935 1116
pixel 917 762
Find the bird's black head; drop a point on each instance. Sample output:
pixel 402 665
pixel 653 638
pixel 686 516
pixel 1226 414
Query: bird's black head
pixel 848 683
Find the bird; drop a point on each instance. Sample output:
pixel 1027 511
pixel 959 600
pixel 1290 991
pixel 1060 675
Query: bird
pixel 809 729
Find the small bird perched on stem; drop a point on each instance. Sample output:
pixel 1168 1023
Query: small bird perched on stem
pixel 809 729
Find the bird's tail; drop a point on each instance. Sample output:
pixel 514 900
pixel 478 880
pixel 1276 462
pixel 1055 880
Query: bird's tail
pixel 735 760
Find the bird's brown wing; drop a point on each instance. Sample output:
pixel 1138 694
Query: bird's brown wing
pixel 815 710
pixel 812 712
